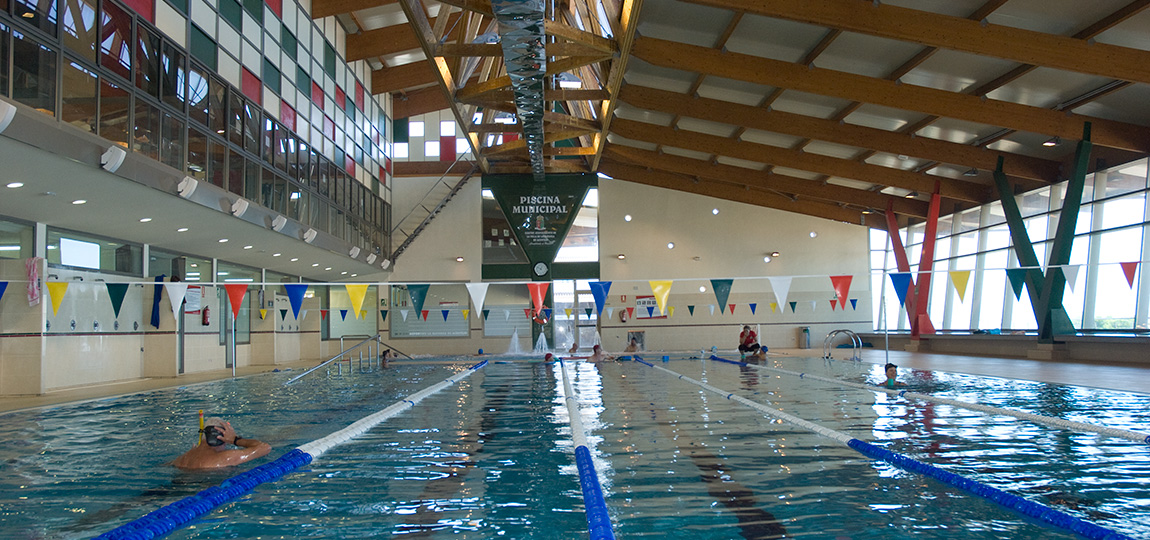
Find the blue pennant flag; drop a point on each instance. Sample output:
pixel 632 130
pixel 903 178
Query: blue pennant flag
pixel 343 314
pixel 854 303
pixel 383 313
pixel 445 311
pixel 547 313
pixel 3 285
pixel 691 309
pixel 295 292
pixel 599 290
pixel 650 311
pixel 901 283
pixel 753 308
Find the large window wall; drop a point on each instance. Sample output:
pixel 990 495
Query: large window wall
pixel 101 68
pixel 1110 232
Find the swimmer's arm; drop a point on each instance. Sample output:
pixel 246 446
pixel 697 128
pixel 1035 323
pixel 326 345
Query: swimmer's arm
pixel 249 449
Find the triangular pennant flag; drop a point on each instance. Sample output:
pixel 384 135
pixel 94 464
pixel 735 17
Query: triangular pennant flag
pixel 486 312
pixel 753 306
pixel 538 294
pixel 343 314
pixel 283 314
pixel 506 314
pixel 609 312
pixel 546 314
pixel 445 312
pixel 1129 268
pixel 424 313
pixel 712 306
pixel 356 293
pixel 732 306
pixel 116 292
pixel 854 304
pixel 834 304
pixel 842 286
pixel 403 314
pixel 323 314
pixel 157 289
pixel 588 311
pixel 722 289
pixel 383 315
pixel 567 311
pixel 670 311
pixel 478 292
pixel 691 310
pixel 901 283
pixel 814 305
pixel 793 304
pixel 363 314
pixel 630 313
pixel 465 313
pixel 774 307
pixel 56 291
pixel 302 315
pixel 418 295
pixel 599 291
pixel 661 290
pixel 959 279
pixel 295 292
pixel 1071 273
pixel 236 292
pixel 527 312
pixel 1017 277
pixel 781 286
pixel 263 314
pixel 4 285
pixel 176 293
pixel 650 311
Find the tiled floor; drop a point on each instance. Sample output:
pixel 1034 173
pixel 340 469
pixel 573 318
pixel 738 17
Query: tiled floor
pixel 1114 377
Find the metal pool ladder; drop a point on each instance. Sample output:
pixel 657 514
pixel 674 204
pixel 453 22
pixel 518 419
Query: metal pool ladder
pixel 855 340
pixel 371 345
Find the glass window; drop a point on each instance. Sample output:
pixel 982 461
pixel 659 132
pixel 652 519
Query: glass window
pixel 1034 202
pixel 251 127
pixel 252 180
pixel 116 40
pixel 17 241
pixel 148 61
pixel 1123 211
pixel 33 74
pixel 146 136
pixel 280 148
pixel 235 118
pixel 80 27
pixel 79 97
pixel 78 250
pixel 296 203
pixel 431 148
pixel 324 168
pixel 1117 311
pixel 235 172
pixel 217 162
pixel 279 193
pixel 174 76
pixel 415 129
pixel 447 128
pixel 1131 177
pixel 217 105
pixel 38 13
pixel 337 222
pixel 198 269
pixel 582 242
pixel 401 150
pixel 172 149
pixel 267 198
pixel 198 102
pixel 269 137
pixel 995 287
pixel 3 58
pixel 197 154
pixel 115 106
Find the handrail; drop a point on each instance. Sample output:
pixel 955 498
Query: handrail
pixel 332 359
pixel 856 341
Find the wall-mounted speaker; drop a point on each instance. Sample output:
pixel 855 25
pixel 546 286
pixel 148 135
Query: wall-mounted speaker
pixel 187 186
pixel 7 113
pixel 371 258
pixel 354 252
pixel 386 263
pixel 278 223
pixel 112 158
pixel 309 235
pixel 239 207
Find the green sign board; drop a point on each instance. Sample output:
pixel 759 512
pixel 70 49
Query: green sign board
pixel 540 213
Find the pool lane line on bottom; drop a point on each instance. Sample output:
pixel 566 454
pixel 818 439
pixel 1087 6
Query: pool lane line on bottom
pixel 1037 418
pixel 173 516
pixel 598 521
pixel 1021 505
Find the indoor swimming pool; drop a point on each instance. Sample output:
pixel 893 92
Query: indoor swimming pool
pixel 491 455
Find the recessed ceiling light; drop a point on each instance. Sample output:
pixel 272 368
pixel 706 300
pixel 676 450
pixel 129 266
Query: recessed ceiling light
pixel 622 256
pixel 767 259
pixel 814 234
pixel 459 259
pixel 344 273
pixel 715 211
pixel 182 229
pixel 328 268
pixel 15 185
pixel 354 275
pixel 670 245
pixel 627 217
pixel 314 265
pixel 223 240
pixel 247 247
pixel 774 254
pixel 294 259
pixel 273 254
pixel 79 201
pixel 145 220
pixel 702 289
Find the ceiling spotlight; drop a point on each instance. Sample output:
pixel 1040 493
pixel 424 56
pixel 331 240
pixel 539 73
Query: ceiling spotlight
pixel 912 195
pixel 971 172
pixel 627 217
pixel 223 240
pixel 145 220
pixel 314 265
pixel 622 256
pixel 774 254
pixel 715 211
pixel 459 259
pixel 670 245
pixel 276 254
pixel 79 201
pixel 702 289
pixel 767 259
pixel 344 273
pixel 327 268
pixel 182 229
pixel 814 234
pixel 294 259
pixel 1054 141
pixel 247 247
pixel 867 211
pixel 15 185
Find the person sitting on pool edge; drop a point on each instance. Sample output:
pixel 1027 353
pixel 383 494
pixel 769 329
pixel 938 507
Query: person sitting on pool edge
pixel 574 348
pixel 211 452
pixel 891 376
pixel 748 341
pixel 633 346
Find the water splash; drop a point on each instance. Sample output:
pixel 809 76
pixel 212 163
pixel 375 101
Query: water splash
pixel 541 344
pixel 513 347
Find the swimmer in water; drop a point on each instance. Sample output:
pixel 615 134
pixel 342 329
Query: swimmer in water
pixel 597 355
pixel 212 452
pixel 633 346
pixel 891 377
pixel 574 348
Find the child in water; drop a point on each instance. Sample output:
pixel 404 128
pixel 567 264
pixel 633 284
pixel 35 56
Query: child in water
pixel 891 377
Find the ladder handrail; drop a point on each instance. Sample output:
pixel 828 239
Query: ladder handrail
pixel 334 358
pixel 856 342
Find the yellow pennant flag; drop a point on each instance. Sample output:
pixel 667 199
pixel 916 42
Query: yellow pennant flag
pixel 671 311
pixel 56 290
pixel 661 289
pixel 362 315
pixel 959 278
pixel 263 313
pixel 568 312
pixel 774 306
pixel 465 312
pixel 356 293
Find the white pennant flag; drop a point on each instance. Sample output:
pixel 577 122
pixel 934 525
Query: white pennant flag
pixel 609 311
pixel 176 292
pixel 814 304
pixel 478 292
pixel 712 306
pixel 506 314
pixel 403 313
pixel 781 286
pixel 1071 273
pixel 302 314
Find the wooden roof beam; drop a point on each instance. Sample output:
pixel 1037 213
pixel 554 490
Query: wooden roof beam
pixel 397 78
pixel 956 33
pixel 864 89
pixel 385 41
pixel 419 102
pixel 327 8
pixel 628 23
pixel 804 161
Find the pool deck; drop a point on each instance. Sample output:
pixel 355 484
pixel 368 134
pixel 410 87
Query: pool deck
pixel 1116 376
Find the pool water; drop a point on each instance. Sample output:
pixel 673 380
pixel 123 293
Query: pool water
pixel 491 457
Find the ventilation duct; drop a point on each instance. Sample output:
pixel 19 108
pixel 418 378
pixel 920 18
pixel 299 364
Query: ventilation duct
pixel 523 41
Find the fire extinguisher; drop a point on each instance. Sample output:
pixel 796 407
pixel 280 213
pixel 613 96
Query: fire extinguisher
pixel 205 317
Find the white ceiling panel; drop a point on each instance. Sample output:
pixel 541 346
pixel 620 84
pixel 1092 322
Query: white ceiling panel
pixel 663 19
pixel 1030 144
pixel 954 8
pixel 623 141
pixel 693 154
pixel 753 165
pixel 806 175
pixel 1130 104
pixel 949 129
pixel 895 162
pixel 833 150
pixel 885 118
pixel 744 93
pixel 866 55
pixel 957 71
pixel 708 127
pixel 628 112
pixel 381 17
pixel 1045 87
pixel 1060 17
pixel 643 74
pixel 406 57
pixel 774 38
pixel 1133 32
pixel 770 138
pixel 793 101
pixel 847 182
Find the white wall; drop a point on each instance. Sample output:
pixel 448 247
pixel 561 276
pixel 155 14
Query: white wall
pixel 455 232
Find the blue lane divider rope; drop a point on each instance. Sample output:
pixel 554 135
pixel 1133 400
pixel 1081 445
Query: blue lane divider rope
pixel 173 516
pixel 595 505
pixel 997 496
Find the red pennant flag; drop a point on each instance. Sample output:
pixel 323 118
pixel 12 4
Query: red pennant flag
pixel 424 313
pixel 1129 268
pixel 630 313
pixel 538 292
pixel 323 314
pixel 527 312
pixel 842 285
pixel 834 304
pixel 236 292
pixel 732 306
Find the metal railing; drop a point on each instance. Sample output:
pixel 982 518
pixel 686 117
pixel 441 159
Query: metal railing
pixel 856 341
pixel 369 343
